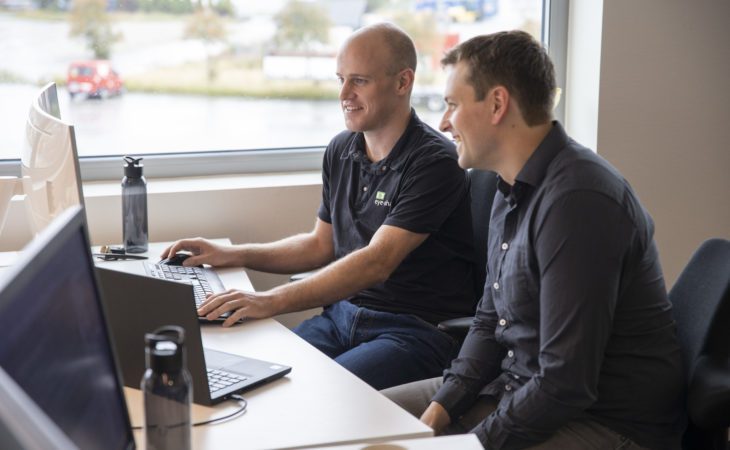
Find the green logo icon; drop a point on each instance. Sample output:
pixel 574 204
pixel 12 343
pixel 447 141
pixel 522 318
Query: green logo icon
pixel 380 195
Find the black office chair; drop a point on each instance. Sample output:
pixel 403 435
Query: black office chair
pixel 482 186
pixel 701 301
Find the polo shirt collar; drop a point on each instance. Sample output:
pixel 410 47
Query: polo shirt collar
pixel 397 156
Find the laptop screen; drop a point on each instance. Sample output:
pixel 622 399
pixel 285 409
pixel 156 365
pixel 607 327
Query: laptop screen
pixel 54 340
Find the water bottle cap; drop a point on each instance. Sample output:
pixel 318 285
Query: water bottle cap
pixel 133 167
pixel 165 352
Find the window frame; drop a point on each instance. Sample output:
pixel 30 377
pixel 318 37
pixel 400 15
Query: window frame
pixel 206 163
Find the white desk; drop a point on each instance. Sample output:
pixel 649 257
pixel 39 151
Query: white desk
pixel 319 403
pixel 457 442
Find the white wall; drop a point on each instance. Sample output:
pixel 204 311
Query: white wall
pixel 663 116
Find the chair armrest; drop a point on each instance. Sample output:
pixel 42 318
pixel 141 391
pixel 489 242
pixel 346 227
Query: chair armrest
pixel 300 276
pixel 456 327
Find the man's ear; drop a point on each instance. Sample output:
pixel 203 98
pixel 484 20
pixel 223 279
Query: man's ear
pixel 405 80
pixel 499 103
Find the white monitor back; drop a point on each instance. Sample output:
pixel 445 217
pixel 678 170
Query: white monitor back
pixel 49 163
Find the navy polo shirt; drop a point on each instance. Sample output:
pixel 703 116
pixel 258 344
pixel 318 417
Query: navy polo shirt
pixel 419 187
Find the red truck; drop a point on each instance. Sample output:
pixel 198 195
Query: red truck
pixel 94 78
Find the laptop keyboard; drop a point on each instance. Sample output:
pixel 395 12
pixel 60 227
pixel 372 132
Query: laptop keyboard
pixel 220 379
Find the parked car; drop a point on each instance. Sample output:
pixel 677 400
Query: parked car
pixel 430 97
pixel 94 78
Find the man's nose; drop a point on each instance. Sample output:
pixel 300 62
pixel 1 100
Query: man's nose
pixel 445 124
pixel 345 90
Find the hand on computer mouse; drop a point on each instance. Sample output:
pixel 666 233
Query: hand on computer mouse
pixel 176 260
pixel 204 251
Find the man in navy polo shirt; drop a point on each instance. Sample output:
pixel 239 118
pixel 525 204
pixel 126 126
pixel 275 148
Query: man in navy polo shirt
pixel 393 235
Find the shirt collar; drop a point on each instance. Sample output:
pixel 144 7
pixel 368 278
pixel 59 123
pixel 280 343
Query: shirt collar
pixel 396 157
pixel 535 169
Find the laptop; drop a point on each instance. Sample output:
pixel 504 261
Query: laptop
pixel 137 304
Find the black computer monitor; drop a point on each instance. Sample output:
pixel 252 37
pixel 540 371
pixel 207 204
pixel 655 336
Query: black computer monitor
pixel 49 161
pixel 55 341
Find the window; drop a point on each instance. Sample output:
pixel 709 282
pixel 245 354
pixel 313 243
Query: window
pixel 229 86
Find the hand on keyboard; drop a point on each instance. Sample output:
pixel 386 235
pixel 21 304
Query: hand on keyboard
pixel 240 305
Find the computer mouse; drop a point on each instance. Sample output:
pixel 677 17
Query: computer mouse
pixel 176 260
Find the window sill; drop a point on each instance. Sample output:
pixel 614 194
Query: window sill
pixel 211 183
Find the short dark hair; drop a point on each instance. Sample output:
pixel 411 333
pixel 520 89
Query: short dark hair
pixel 515 60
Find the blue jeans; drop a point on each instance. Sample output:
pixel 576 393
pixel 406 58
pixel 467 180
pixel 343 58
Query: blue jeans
pixel 383 349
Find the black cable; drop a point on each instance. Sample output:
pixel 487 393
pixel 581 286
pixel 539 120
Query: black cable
pixel 241 401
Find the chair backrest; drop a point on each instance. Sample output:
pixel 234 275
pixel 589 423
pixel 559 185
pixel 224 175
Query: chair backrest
pixel 482 186
pixel 701 301
pixel 701 305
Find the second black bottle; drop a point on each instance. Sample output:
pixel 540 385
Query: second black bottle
pixel 134 207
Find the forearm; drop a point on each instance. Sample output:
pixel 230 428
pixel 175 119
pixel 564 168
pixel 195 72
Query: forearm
pixel 299 253
pixel 477 364
pixel 358 270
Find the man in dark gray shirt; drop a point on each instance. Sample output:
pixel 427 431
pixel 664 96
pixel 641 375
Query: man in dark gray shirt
pixel 573 344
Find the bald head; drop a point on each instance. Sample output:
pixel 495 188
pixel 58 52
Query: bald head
pixel 400 48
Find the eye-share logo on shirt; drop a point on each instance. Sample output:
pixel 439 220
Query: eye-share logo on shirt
pixel 380 199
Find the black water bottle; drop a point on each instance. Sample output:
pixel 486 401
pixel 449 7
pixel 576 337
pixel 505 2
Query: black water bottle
pixel 134 207
pixel 167 389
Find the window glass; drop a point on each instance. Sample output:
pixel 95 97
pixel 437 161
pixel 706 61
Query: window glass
pixel 175 76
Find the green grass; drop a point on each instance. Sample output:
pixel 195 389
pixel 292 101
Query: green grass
pixel 9 77
pixel 41 14
pixel 291 92
pixel 234 78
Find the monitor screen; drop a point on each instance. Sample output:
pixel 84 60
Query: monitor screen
pixel 55 341
pixel 49 161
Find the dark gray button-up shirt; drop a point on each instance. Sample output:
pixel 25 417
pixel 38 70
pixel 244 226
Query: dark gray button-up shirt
pixel 575 321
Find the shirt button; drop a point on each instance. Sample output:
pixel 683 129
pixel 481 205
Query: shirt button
pixel 507 387
pixel 495 286
pixel 384 168
pixel 505 246
pixel 364 188
pixel 502 322
pixel 510 353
